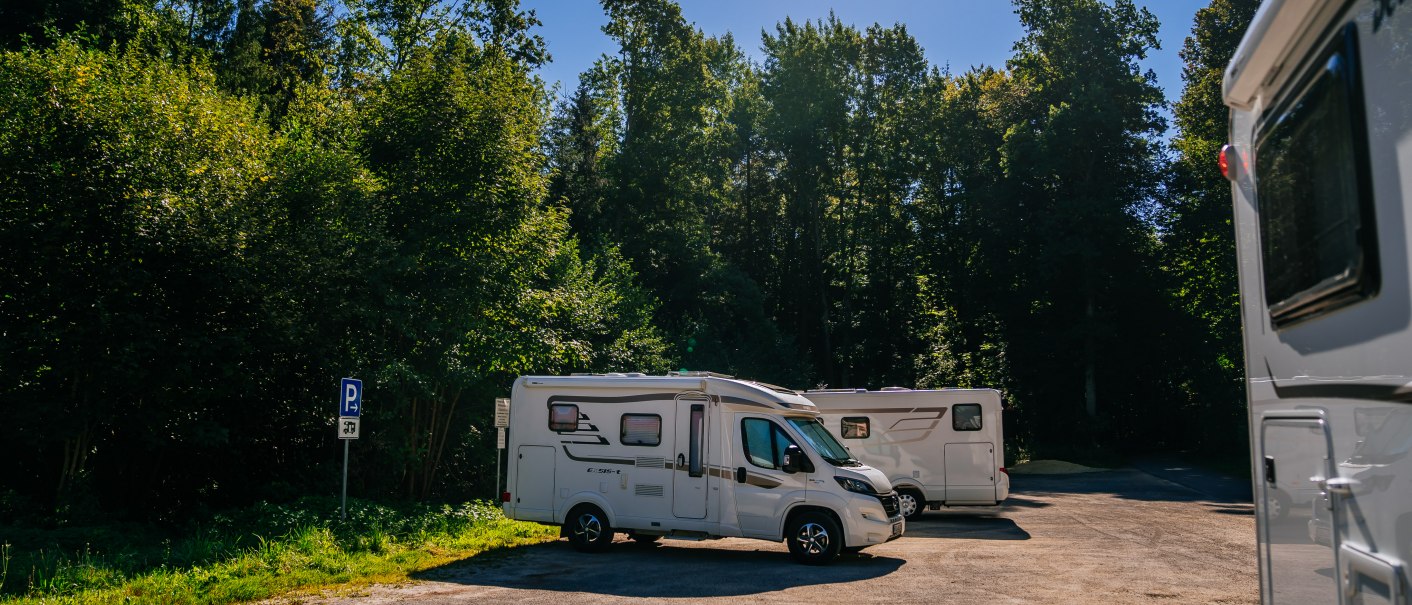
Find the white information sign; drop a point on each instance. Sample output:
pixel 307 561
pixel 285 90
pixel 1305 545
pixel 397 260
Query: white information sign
pixel 500 437
pixel 502 412
pixel 348 427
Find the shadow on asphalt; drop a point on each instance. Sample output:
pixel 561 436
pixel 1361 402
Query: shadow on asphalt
pixel 1232 509
pixel 656 571
pixel 1023 502
pixel 1127 484
pixel 982 526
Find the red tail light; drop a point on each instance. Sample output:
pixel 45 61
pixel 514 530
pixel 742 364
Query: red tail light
pixel 504 496
pixel 1002 469
pixel 1224 160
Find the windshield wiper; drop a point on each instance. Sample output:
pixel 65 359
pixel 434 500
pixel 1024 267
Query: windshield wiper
pixel 841 461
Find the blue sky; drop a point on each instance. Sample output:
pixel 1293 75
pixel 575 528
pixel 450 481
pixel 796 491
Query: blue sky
pixel 958 33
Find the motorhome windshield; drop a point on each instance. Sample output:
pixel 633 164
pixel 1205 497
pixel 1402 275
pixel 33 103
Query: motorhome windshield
pixel 819 438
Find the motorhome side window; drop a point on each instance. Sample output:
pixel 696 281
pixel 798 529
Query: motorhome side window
pixel 641 429
pixel 1314 194
pixel 764 442
pixel 966 417
pixel 563 417
pixel 854 428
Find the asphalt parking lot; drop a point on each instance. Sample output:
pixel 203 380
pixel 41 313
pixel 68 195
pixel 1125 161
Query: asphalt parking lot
pixel 1123 536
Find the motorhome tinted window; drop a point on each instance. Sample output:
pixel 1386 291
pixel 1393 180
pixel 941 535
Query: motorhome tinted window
pixel 1316 214
pixel 641 429
pixel 563 417
pixel 764 442
pixel 854 428
pixel 966 417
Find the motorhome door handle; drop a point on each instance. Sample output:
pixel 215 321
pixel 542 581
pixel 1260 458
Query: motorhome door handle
pixel 1338 486
pixel 681 460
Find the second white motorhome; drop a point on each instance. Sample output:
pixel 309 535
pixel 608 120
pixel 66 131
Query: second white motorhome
pixel 938 447
pixel 691 456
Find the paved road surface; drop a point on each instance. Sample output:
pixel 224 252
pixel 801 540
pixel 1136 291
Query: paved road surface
pixel 1111 537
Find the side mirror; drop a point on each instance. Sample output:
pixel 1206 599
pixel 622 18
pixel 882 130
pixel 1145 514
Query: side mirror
pixel 795 461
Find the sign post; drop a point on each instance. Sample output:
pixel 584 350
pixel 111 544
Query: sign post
pixel 350 408
pixel 502 420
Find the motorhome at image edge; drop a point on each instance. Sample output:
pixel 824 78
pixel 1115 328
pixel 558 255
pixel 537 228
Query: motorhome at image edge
pixel 1320 155
pixel 688 456
pixel 939 448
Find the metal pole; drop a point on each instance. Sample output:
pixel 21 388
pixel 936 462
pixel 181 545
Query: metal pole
pixel 497 475
pixel 343 508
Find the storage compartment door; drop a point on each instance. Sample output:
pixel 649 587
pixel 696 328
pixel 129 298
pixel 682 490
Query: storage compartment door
pixel 534 483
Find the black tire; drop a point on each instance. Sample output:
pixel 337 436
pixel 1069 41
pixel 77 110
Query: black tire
pixel 911 503
pixel 588 529
pixel 814 538
pixel 1277 504
pixel 645 539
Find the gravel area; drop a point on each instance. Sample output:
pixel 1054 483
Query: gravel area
pixel 1119 536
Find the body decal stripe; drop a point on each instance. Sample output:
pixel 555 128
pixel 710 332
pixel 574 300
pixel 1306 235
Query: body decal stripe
pixel 623 399
pixel 627 461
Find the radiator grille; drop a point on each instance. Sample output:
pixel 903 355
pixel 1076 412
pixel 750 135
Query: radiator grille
pixel 647 490
pixel 890 504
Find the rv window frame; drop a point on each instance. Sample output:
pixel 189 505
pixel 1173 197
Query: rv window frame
pixel 1339 58
pixel 863 421
pixel 551 417
pixel 980 416
pixel 623 427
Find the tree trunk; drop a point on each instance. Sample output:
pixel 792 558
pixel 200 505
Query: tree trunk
pixel 1090 381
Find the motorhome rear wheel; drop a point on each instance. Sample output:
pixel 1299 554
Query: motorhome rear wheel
pixel 911 504
pixel 589 530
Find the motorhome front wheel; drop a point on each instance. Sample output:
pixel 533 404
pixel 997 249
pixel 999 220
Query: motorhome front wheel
pixel 814 538
pixel 589 530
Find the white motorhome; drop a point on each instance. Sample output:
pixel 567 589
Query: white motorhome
pixel 693 456
pixel 1320 152
pixel 938 447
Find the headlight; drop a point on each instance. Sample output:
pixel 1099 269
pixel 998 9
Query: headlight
pixel 856 485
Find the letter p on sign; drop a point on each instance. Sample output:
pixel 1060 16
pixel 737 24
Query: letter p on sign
pixel 350 397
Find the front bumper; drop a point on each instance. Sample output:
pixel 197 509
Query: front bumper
pixel 874 521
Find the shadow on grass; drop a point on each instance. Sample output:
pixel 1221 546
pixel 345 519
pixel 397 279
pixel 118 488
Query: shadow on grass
pixel 670 569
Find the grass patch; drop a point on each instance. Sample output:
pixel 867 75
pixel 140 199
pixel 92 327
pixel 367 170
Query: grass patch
pixel 255 553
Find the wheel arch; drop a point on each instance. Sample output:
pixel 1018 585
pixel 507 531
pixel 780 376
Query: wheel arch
pixel 805 507
pixel 581 499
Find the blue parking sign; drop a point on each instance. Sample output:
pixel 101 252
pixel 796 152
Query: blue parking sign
pixel 350 397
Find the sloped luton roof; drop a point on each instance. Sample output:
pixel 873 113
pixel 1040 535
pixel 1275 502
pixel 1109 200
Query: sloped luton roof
pixel 731 390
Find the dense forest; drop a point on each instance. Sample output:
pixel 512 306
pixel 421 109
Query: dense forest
pixel 211 210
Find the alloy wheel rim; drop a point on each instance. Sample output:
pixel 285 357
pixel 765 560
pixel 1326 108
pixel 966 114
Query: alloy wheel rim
pixel 813 538
pixel 589 527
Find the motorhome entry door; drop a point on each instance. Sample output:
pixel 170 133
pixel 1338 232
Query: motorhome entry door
pixel 1299 554
pixel 689 489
